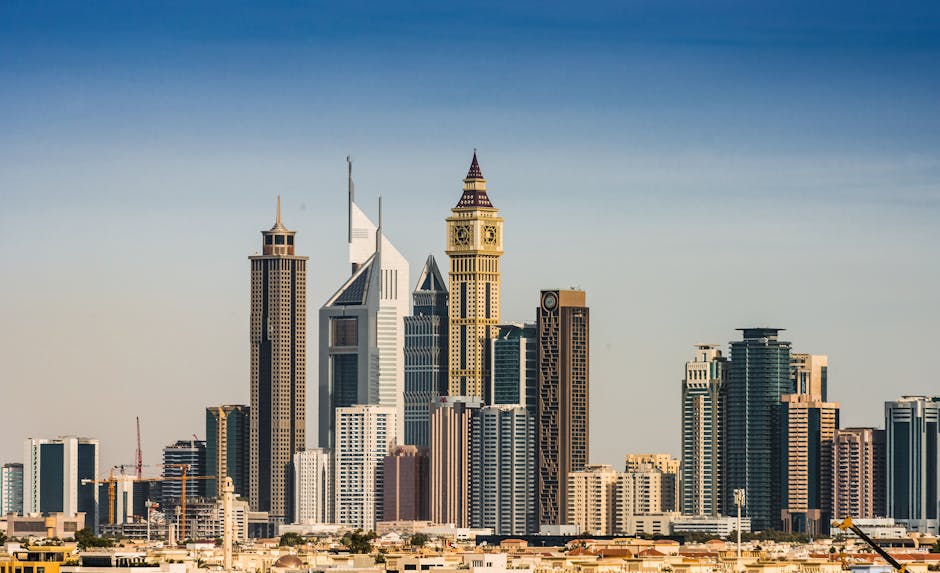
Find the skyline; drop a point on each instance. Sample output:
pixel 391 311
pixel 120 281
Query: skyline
pixel 148 158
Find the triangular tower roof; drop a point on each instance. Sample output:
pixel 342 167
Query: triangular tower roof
pixel 430 279
pixel 355 291
pixel 474 188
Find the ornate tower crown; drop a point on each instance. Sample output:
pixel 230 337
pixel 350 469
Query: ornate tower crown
pixel 474 188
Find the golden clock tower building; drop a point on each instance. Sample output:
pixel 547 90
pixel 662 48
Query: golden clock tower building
pixel 474 245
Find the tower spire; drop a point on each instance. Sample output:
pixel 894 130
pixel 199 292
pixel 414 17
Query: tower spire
pixel 475 172
pixel 277 222
pixel 351 190
pixel 378 231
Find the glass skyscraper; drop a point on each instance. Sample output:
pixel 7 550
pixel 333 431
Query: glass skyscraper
pixel 911 425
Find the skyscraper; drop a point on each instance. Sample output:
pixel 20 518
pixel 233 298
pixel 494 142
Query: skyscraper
pixel 858 466
pixel 911 427
pixel 474 245
pixel 758 376
pixel 514 373
pixel 705 376
pixel 810 374
pixel 11 489
pixel 364 436
pixel 313 486
pixel 450 459
pixel 563 329
pixel 425 353
pixel 362 332
pixel 189 453
pixel 53 473
pixel 227 447
pixel 502 469
pixel 278 370
pixel 405 482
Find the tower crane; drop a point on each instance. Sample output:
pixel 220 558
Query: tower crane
pixel 110 480
pixel 848 524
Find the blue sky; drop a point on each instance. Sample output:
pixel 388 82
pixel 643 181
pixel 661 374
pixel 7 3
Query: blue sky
pixel 696 167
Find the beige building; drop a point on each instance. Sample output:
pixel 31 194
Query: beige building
pixel 450 460
pixel 278 335
pixel 592 499
pixel 810 373
pixel 668 470
pixel 474 245
pixel 858 473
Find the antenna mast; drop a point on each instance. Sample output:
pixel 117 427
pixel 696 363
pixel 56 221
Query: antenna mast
pixel 352 197
pixel 140 454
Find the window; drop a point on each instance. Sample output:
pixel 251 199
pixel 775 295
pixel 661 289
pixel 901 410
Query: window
pixel 278 239
pixel 344 331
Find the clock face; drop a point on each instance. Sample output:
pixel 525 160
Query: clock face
pixel 549 301
pixel 489 235
pixel 462 235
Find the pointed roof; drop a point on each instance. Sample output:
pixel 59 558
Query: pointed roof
pixel 278 225
pixel 430 279
pixel 475 172
pixel 355 291
pixel 474 188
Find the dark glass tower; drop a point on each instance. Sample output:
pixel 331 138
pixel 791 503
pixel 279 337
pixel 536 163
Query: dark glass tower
pixel 759 374
pixel 425 353
pixel 514 372
pixel 227 447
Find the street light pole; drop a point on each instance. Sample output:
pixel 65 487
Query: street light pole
pixel 739 500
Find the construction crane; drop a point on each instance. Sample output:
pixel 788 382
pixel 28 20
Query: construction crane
pixel 848 524
pixel 140 453
pixel 183 477
pixel 110 480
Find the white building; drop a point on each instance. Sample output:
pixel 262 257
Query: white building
pixel 53 474
pixel 313 486
pixel 365 434
pixel 719 525
pixel 705 375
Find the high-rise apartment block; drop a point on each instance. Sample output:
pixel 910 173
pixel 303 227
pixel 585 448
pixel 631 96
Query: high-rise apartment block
pixel 562 328
pixel 514 372
pixel 426 354
pixel 911 427
pixel 858 473
pixel 188 456
pixel 810 374
pixel 602 501
pixel 365 434
pixel 667 469
pixel 592 499
pixel 53 474
pixel 502 470
pixel 450 459
pixel 806 427
pixel 227 448
pixel 313 486
pixel 474 245
pixel 11 489
pixel 278 340
pixel 758 376
pixel 702 387
pixel 405 481
pixel 362 334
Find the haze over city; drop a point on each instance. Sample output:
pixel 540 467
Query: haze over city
pixel 694 169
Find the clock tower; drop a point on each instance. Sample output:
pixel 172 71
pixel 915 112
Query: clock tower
pixel 474 245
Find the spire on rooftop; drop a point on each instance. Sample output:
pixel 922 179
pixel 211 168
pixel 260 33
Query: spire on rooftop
pixel 474 187
pixel 278 225
pixel 474 172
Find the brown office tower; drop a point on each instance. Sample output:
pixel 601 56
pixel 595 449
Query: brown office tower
pixel 562 427
pixel 858 473
pixel 278 330
pixel 405 496
pixel 450 459
pixel 474 245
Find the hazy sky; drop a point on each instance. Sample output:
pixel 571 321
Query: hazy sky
pixel 695 167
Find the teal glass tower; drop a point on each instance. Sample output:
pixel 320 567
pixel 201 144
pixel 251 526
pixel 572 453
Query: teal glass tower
pixel 759 374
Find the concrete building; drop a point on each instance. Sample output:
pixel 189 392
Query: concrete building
pixel 313 486
pixel 205 519
pixel 365 434
pixel 474 245
pixel 405 474
pixel 11 489
pixel 709 525
pixel 641 491
pixel 502 470
pixel 227 447
pixel 189 453
pixel 514 373
pixel 450 459
pixel 53 525
pixel 668 469
pixel 592 499
pixel 758 376
pixel 53 474
pixel 362 334
pixel 278 340
pixel 702 387
pixel 913 482
pixel 810 374
pixel 426 353
pixel 563 328
pixel 806 429
pixel 858 468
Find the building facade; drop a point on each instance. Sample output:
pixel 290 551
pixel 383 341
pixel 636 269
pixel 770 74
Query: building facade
pixel 192 455
pixel 53 474
pixel 705 377
pixel 362 331
pixel 426 353
pixel 592 499
pixel 278 340
pixel 913 482
pixel 562 328
pixel 514 372
pixel 502 470
pixel 668 469
pixel 810 374
pixel 11 489
pixel 758 376
pixel 365 434
pixel 858 473
pixel 227 448
pixel 405 478
pixel 313 488
pixel 474 245
pixel 450 459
